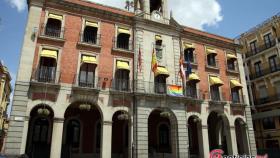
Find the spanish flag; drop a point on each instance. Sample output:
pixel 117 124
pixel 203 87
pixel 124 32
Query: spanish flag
pixel 182 71
pixel 154 64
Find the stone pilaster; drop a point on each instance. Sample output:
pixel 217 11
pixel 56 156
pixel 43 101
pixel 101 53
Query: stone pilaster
pixel 106 139
pixel 57 134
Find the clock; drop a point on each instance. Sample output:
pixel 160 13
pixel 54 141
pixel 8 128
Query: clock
pixel 157 15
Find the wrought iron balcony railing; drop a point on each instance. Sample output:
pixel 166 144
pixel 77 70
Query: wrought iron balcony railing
pixel 265 71
pixel 46 75
pixel 125 45
pixel 266 100
pixel 261 48
pixel 52 31
pixel 90 39
pixel 92 82
pixel 121 85
pixel 214 65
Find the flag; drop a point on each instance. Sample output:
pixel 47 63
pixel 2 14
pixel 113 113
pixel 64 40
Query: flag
pixel 175 90
pixel 189 66
pixel 154 61
pixel 140 60
pixel 181 64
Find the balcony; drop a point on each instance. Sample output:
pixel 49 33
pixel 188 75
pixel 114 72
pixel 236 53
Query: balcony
pixel 46 74
pixel 121 85
pixel 90 40
pixel 232 68
pixel 212 65
pixel 260 49
pixel 53 33
pixel 122 45
pixel 86 85
pixel 267 100
pixel 192 61
pixel 266 70
pixel 215 98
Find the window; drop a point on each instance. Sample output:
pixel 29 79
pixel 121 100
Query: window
pixel 156 5
pixel 47 66
pixel 211 61
pixel 267 40
pixel 41 130
pixel 160 84
pixel 263 93
pixel 235 95
pixel 123 39
pixel 122 80
pixel 191 89
pixel 73 133
pixel 272 144
pixel 53 26
pixel 215 93
pixel 189 55
pixel 98 136
pixel 90 33
pixel 258 68
pixel 164 135
pixel 268 123
pixel 158 47
pixel 231 64
pixel 277 85
pixel 87 75
pixel 253 46
pixel 272 63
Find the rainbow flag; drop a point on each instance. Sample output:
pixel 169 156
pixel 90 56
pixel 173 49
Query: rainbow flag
pixel 175 90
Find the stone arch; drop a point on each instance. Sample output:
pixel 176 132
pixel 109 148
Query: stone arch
pixel 173 138
pixel 88 113
pixel 219 132
pixel 39 133
pixel 241 136
pixel 194 123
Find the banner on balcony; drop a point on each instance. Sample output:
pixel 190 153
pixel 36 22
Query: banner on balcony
pixel 175 90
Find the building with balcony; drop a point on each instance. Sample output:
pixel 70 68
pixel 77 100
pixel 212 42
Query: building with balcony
pixel 87 86
pixel 261 50
pixel 5 92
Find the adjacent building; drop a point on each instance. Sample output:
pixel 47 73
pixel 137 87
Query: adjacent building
pixel 261 50
pixel 96 81
pixel 5 92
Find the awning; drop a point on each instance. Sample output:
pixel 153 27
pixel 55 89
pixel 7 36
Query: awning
pixel 194 77
pixel 123 65
pixel 89 59
pixel 161 71
pixel 216 81
pixel 55 16
pixel 235 84
pixel 189 45
pixel 92 24
pixel 124 30
pixel 158 38
pixel 49 53
pixel 231 56
pixel 210 51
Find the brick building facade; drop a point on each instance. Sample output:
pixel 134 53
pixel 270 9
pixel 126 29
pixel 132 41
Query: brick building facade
pixel 85 87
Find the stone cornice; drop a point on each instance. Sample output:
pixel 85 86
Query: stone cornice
pixel 209 40
pixel 106 15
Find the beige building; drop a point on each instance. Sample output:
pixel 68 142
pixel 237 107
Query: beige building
pixel 262 61
pixel 85 87
pixel 5 91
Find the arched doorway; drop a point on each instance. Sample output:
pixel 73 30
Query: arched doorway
pixel 40 132
pixel 81 132
pixel 219 132
pixel 162 135
pixel 241 137
pixel 195 137
pixel 120 135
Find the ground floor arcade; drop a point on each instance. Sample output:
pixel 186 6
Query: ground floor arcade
pixel 87 131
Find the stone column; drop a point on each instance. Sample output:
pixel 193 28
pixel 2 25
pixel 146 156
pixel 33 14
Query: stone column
pixel 56 143
pixel 205 138
pixel 233 140
pixel 24 136
pixel 106 139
